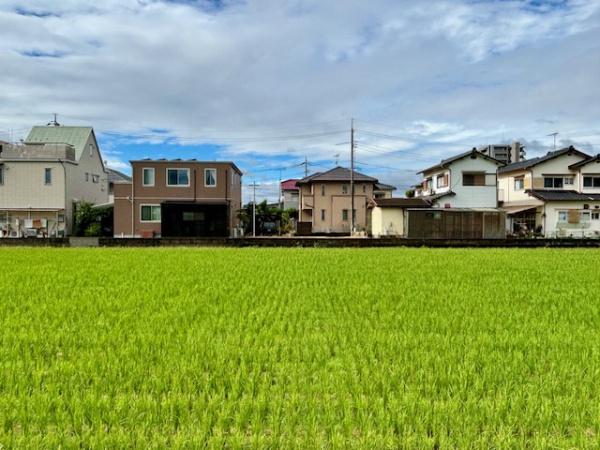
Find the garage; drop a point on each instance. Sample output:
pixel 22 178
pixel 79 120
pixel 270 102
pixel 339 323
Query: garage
pixel 180 219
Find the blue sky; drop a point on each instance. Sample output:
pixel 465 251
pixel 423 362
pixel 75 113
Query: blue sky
pixel 269 83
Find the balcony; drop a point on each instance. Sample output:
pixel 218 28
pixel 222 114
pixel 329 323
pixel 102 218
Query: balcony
pixel 307 202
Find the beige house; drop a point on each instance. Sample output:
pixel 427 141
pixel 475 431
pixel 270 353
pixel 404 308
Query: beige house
pixel 326 200
pixel 42 178
pixel 178 198
pixel 556 195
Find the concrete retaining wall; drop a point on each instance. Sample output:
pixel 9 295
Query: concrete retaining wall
pixel 306 242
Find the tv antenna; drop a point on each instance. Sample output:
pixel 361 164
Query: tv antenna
pixel 54 123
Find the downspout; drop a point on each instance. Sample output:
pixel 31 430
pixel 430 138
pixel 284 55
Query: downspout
pixel 65 208
pixel 133 202
pixel 195 181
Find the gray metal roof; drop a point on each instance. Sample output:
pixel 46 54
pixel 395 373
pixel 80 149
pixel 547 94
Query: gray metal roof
pixel 336 174
pixel 431 198
pixel 471 153
pixel 551 195
pixel 528 163
pixel 75 136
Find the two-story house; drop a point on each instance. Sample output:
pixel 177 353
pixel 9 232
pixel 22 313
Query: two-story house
pixel 556 195
pixel 43 178
pixel 326 200
pixel 178 198
pixel 467 180
pixel 290 194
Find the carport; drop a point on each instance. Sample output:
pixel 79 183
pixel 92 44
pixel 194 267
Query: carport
pixel 193 219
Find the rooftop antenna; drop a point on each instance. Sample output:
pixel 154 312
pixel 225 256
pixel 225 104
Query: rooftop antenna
pixel 54 123
pixel 337 157
pixel 554 134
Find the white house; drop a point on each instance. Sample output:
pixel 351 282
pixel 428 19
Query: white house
pixel 555 195
pixel 41 179
pixel 467 180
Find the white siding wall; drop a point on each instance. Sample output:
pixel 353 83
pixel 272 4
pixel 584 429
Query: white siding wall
pixel 506 187
pixel 472 196
pixel 24 185
pixel 555 228
pixel 387 222
pixel 78 189
pixel 591 169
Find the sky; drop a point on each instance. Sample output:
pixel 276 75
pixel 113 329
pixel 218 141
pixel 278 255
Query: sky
pixel 269 84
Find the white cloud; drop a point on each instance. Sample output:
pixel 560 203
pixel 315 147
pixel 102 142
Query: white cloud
pixel 440 76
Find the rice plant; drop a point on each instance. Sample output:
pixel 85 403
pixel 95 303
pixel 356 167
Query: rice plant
pixel 299 348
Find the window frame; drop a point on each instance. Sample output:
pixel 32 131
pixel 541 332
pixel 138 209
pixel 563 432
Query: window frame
pixel 153 170
pixel 1 174
pixel 187 169
pixel 521 181
pixel 322 215
pixel 47 176
pixel 566 216
pixel 474 174
pixel 345 189
pixel 444 181
pixel 344 215
pixel 150 205
pixel 322 190
pixel 206 170
pixel 95 178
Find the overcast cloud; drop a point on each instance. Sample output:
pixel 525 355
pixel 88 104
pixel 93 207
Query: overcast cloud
pixel 424 79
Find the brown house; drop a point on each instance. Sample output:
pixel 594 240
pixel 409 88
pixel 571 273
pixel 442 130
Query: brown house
pixel 326 201
pixel 178 198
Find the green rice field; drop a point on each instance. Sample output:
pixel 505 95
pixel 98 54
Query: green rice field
pixel 299 348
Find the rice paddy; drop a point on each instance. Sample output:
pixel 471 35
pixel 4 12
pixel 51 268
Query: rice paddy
pixel 299 348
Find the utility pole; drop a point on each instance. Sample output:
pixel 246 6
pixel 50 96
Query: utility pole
pixel 254 209
pixel 280 191
pixel 352 224
pixel 553 134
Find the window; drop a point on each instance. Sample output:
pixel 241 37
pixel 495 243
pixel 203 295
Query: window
pixel 210 177
pixel 323 190
pixel 442 181
pixel 591 182
pixel 192 216
pixel 323 215
pixel 364 188
pixel 519 184
pixel 473 179
pixel 596 215
pixel 95 178
pixel 87 177
pixel 585 216
pixel 344 189
pixel 148 176
pixel 555 182
pixel 1 174
pixel 178 177
pixel 569 181
pixel 150 213
pixel 562 216
pixel 47 176
pixel 91 149
pixel 345 215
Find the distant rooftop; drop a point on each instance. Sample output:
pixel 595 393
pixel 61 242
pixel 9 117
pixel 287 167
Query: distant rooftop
pixel 528 163
pixel 337 174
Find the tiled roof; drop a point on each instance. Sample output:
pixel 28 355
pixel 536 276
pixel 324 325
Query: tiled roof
pixel 562 195
pixel 384 187
pixel 585 162
pixel 471 153
pixel 114 176
pixel 336 174
pixel 75 136
pixel 528 163
pixel 431 198
pixel 415 202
